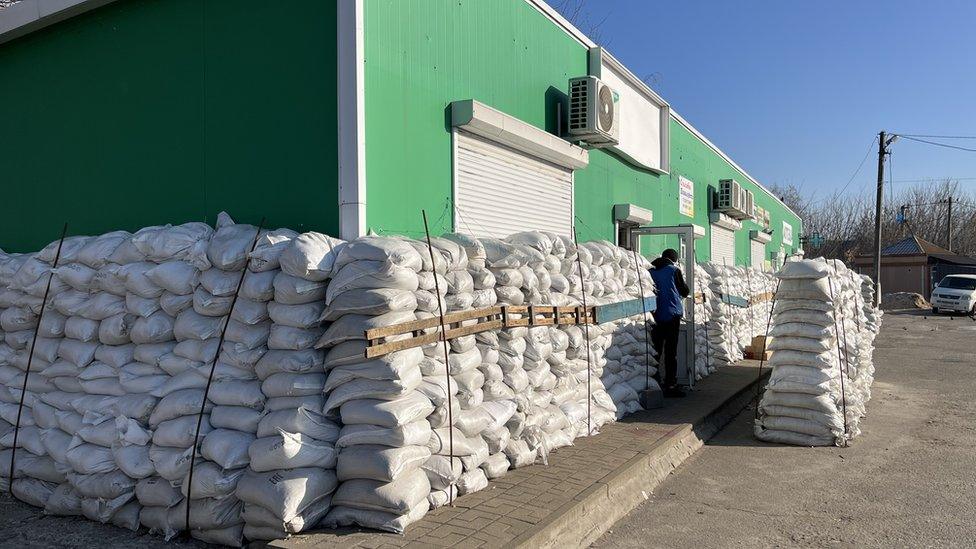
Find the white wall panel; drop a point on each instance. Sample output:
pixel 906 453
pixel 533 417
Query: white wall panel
pixel 758 253
pixel 723 246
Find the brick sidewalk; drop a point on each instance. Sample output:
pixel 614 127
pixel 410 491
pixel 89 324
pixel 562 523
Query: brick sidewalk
pixel 540 504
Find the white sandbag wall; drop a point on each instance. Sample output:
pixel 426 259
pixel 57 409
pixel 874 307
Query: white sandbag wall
pixel 724 330
pixel 704 328
pixel 505 398
pixel 298 429
pixel 822 356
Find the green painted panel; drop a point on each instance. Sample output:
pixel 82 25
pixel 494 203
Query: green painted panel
pixel 166 111
pixel 609 180
pixel 693 159
pixel 423 54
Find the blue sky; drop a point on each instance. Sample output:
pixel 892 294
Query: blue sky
pixel 795 91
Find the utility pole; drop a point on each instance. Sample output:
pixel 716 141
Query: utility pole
pixel 949 226
pixel 882 150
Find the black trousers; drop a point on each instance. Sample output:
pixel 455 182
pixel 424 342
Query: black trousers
pixel 665 339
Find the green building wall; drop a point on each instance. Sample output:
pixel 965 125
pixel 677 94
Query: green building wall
pixel 694 160
pixel 165 111
pixel 421 56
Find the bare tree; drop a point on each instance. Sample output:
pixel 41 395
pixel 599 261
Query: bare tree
pixel 846 223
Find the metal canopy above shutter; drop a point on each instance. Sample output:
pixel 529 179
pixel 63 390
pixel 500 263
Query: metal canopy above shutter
pixel 723 246
pixel 500 191
pixel 758 252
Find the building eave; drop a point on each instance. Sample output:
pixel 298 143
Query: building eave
pixel 28 16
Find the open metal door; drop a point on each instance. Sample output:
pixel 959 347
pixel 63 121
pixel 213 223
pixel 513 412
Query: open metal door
pixel 686 234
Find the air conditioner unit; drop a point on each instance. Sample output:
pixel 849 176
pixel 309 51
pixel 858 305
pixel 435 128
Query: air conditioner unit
pixel 594 112
pixel 729 200
pixel 750 209
pixel 735 201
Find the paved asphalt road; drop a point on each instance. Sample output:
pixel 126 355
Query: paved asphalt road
pixel 909 480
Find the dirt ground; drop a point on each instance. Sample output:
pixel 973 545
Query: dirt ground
pixel 909 480
pixel 22 525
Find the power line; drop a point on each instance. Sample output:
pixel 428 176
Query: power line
pixel 937 144
pixel 859 166
pixel 849 181
pixel 935 179
pixel 937 136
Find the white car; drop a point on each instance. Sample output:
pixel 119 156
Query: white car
pixel 956 293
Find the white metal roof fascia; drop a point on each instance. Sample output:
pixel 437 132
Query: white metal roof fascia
pixel 558 19
pixel 27 16
pixel 480 119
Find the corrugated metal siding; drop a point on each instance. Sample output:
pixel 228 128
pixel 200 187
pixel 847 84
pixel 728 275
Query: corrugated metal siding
pixel 723 246
pixel 421 56
pixel 500 191
pixel 152 111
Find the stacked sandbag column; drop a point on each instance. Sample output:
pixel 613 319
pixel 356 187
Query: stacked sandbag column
pixel 96 321
pixel 546 426
pixel 497 398
pixel 705 362
pixel 604 268
pixel 809 399
pixel 722 327
pixel 200 314
pixel 625 373
pixel 149 329
pixel 385 432
pixel 289 450
pixel 640 363
pixel 503 354
pixel 872 314
pixel 36 475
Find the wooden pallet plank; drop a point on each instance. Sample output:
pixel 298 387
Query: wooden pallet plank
pixel 735 300
pixel 433 322
pixel 488 318
pixel 399 345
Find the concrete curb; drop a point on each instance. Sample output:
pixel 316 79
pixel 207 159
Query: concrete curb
pixel 583 520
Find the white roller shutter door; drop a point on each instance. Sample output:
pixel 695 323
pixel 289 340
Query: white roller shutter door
pixel 723 246
pixel 758 252
pixel 499 190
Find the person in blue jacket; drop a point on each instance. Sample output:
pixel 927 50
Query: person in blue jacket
pixel 670 288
